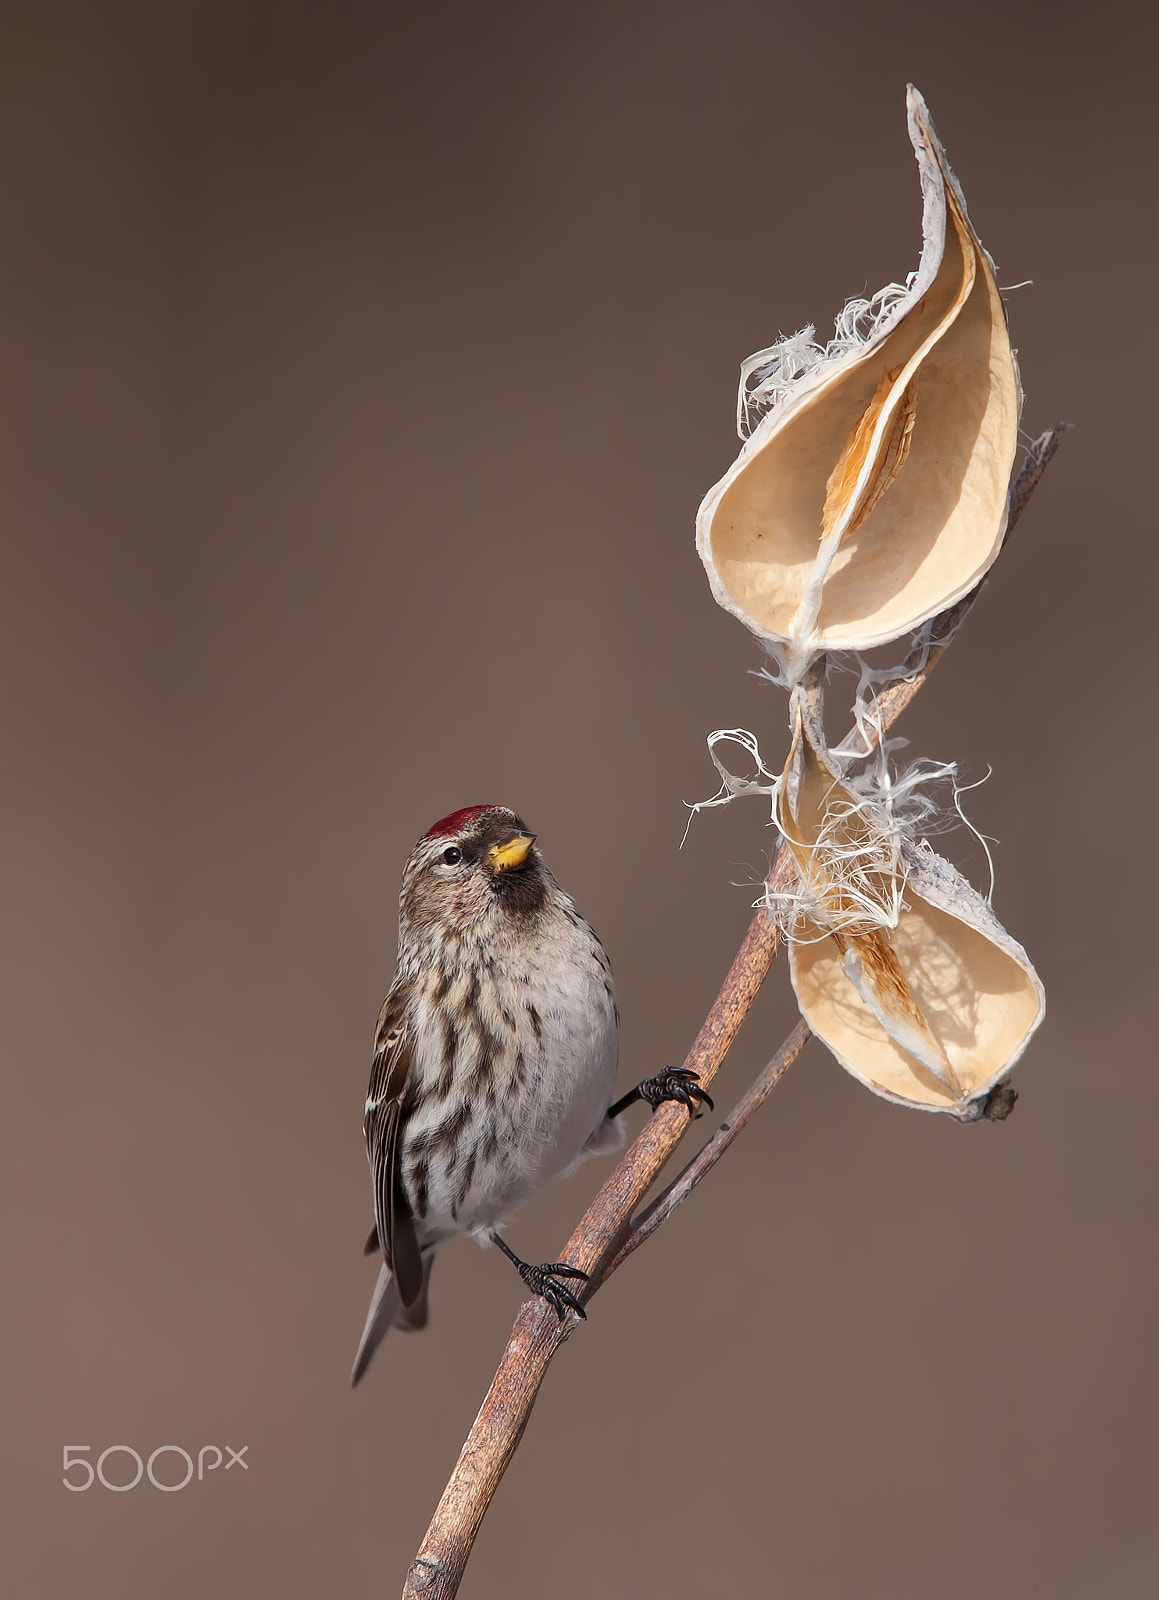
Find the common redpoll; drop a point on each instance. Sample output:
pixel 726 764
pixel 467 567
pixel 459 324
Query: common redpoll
pixel 494 1060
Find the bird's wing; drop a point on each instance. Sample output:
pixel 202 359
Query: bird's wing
pixel 393 1222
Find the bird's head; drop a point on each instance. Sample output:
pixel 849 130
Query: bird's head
pixel 470 861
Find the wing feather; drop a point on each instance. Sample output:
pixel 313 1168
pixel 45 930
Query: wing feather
pixel 393 1222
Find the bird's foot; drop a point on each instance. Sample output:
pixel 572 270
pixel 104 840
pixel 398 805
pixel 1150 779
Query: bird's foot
pixel 674 1083
pixel 542 1280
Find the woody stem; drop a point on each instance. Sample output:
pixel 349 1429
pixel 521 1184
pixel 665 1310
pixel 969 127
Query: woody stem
pixel 606 1236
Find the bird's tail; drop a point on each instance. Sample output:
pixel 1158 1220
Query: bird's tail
pixel 387 1311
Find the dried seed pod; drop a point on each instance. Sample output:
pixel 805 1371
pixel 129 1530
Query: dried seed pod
pixel 873 492
pixel 969 984
pixel 898 964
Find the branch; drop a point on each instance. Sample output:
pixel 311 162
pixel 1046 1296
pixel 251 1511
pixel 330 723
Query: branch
pixel 438 1568
pixel 645 1225
pixel 538 1333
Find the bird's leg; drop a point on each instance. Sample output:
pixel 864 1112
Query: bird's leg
pixel 541 1280
pixel 674 1083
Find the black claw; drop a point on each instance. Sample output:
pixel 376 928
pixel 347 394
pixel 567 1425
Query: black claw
pixel 675 1083
pixel 541 1281
pixel 563 1269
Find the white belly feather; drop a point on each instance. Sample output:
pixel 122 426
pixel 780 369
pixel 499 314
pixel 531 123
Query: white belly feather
pixel 531 1082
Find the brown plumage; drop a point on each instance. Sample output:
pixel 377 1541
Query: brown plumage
pixel 495 1054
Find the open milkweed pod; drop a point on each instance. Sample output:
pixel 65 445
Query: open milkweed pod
pixel 898 964
pixel 873 492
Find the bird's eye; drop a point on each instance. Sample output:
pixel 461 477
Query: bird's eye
pixel 452 854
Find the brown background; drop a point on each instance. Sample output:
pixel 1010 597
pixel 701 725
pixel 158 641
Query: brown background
pixel 363 367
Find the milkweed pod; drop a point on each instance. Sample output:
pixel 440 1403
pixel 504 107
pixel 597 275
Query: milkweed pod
pixel 847 849
pixel 970 985
pixel 872 493
pixel 898 964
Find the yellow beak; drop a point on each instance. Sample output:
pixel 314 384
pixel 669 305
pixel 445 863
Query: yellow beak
pixel 510 852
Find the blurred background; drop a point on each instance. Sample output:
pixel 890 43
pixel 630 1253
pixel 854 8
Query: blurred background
pixel 363 368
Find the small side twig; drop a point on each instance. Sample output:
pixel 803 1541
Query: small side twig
pixel 645 1225
pixel 605 1236
pixel 893 700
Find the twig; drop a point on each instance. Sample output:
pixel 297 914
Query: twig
pixel 437 1569
pixel 645 1225
pixel 922 661
pixel 436 1572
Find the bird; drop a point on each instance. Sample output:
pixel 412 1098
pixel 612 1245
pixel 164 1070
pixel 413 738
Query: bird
pixel 495 1060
